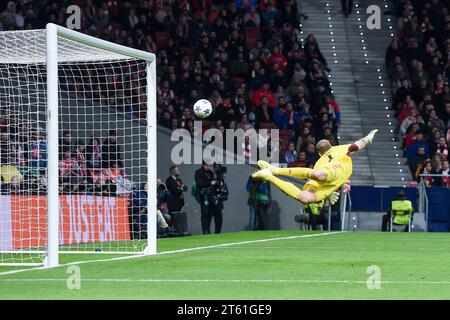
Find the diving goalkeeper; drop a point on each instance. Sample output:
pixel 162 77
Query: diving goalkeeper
pixel 330 172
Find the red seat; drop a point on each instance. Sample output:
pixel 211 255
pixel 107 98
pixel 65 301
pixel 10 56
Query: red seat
pixel 237 81
pixel 252 35
pixel 268 125
pixel 285 136
pixel 161 38
pixel 206 124
pixel 187 50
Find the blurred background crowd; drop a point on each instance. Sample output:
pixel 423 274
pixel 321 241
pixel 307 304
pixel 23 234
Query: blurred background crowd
pixel 418 64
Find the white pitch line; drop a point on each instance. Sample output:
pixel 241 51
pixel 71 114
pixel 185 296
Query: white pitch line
pixel 174 251
pixel 228 281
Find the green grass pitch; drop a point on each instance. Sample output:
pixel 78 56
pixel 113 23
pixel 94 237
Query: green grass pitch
pixel 334 266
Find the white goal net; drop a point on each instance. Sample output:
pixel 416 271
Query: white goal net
pixel 78 182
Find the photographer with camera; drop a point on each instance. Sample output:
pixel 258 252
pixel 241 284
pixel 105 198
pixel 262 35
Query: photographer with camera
pixel 219 194
pixel 210 192
pixel 163 216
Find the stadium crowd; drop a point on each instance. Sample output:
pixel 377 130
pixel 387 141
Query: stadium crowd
pixel 89 167
pixel 418 65
pixel 246 57
pixel 249 58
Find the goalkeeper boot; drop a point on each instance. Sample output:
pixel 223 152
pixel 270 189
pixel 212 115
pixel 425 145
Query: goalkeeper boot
pixel 263 174
pixel 265 165
pixel 371 135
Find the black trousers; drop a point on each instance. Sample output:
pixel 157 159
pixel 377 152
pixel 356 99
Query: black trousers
pixel 385 222
pixel 347 6
pixel 218 219
pixel 262 214
pixel 205 213
pixel 208 212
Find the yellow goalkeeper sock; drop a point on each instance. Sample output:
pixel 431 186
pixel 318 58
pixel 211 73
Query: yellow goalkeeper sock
pixel 299 173
pixel 288 188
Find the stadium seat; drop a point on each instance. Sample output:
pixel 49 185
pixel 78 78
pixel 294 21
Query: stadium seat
pixel 286 136
pixel 404 220
pixel 185 50
pixel 206 124
pixel 161 38
pixel 268 125
pixel 237 81
pixel 252 35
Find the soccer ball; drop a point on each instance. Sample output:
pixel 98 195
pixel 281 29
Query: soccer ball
pixel 203 108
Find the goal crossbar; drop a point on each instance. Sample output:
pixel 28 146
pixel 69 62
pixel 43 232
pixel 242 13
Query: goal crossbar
pixel 101 44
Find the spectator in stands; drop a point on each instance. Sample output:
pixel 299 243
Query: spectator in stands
pixel 286 117
pixel 300 161
pixel 244 124
pixel 277 59
pixel 65 144
pixel 407 122
pixel 311 154
pixel 435 121
pixel 9 18
pixel 94 154
pixel 5 146
pixel 417 160
pixel 99 184
pixel 264 113
pixel 81 159
pixel 418 143
pixel 427 170
pixel 419 51
pixel 15 186
pixel 312 50
pixel 445 172
pixel 239 67
pixel 116 177
pixel 262 93
pixel 442 148
pixel 111 151
pixel 67 173
pixel 37 150
pixel 291 154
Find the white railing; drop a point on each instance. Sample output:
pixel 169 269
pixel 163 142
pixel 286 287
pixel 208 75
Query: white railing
pixel 346 198
pixel 423 196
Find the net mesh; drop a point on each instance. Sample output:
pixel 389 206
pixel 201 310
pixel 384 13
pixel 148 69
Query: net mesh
pixel 102 149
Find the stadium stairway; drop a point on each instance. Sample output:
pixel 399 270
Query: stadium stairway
pixel 359 91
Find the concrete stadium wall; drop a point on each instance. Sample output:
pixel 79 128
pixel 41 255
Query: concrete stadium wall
pixel 235 214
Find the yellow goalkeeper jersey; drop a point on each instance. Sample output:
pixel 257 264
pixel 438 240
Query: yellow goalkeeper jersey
pixel 340 168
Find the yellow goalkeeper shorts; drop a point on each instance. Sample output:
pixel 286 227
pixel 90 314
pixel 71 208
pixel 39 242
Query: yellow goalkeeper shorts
pixel 336 178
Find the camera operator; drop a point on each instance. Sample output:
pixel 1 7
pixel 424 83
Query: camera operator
pixel 164 219
pixel 208 188
pixel 204 180
pixel 218 195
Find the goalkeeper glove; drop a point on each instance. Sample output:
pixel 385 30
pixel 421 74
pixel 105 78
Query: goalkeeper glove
pixel 371 135
pixel 334 197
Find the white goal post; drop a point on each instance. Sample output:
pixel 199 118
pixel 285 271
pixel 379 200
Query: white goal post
pixel 78 147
